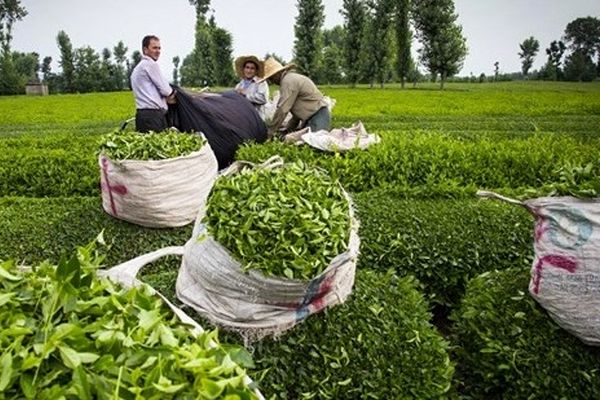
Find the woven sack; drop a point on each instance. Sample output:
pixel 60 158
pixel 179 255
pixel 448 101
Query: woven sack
pixel 158 193
pixel 565 275
pixel 212 282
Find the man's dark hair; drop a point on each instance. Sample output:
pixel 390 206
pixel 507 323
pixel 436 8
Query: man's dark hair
pixel 146 40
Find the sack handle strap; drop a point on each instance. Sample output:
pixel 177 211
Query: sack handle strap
pixel 125 274
pixel 492 195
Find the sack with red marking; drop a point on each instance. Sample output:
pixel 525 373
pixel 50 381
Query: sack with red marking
pixel 565 275
pixel 156 179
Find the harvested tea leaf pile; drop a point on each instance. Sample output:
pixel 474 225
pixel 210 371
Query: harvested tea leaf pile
pixel 286 222
pixel 150 146
pixel 65 333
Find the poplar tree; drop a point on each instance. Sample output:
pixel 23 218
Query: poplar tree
pixel 308 37
pixel 176 61
pixel 198 67
pixel 404 62
pixel 354 13
pixel 222 54
pixel 46 68
pixel 10 12
pixel 529 49
pixel 331 58
pixel 120 55
pixel 444 47
pixel 376 52
pixel 67 62
pixel 555 53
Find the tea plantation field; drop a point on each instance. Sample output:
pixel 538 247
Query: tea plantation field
pixel 440 307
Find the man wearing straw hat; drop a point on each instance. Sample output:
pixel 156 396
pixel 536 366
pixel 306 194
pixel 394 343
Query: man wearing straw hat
pixel 300 96
pixel 250 70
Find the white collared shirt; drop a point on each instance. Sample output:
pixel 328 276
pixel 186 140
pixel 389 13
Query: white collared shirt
pixel 149 86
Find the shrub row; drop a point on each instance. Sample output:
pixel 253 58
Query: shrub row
pixel 507 347
pixel 442 242
pixel 416 159
pixel 49 173
pixel 38 229
pixel 377 345
pixel 75 140
pixel 433 158
pixel 481 125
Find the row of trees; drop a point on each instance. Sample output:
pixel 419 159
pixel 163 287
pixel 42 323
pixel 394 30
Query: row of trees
pixel 373 46
pixel 582 38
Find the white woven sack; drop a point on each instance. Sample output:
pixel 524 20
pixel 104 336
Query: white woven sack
pixel 158 193
pixel 126 275
pixel 213 283
pixel 337 140
pixel 565 275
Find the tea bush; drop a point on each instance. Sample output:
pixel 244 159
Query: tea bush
pixel 442 242
pixel 507 347
pixel 378 344
pixel 38 229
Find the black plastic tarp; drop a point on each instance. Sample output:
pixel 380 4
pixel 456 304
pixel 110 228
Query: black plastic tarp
pixel 226 120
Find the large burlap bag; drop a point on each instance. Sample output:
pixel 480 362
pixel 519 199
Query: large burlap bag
pixel 213 283
pixel 565 275
pixel 158 193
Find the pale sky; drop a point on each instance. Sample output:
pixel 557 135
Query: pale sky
pixel 493 28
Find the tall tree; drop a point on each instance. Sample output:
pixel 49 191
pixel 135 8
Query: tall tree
pixel 27 66
pixel 107 72
pixel 354 13
pixel 11 11
pixel 10 80
pixel 197 68
pixel 443 44
pixel 66 62
pixel 136 56
pixel 404 61
pixel 376 53
pixel 555 53
pixel 332 59
pixel 120 55
pixel 529 49
pixel 583 34
pixel 46 68
pixel 580 67
pixel 222 44
pixel 48 77
pixel 308 37
pixel 88 70
pixel 496 70
pixel 176 61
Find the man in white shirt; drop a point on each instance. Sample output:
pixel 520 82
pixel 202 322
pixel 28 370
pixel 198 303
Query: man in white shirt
pixel 151 90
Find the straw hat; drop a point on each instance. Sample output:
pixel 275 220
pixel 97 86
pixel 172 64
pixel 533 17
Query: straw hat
pixel 272 66
pixel 241 61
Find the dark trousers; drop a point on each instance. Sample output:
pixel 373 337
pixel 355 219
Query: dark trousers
pixel 319 120
pixel 147 120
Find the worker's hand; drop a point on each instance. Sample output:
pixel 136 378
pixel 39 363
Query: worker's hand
pixel 171 99
pixel 241 91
